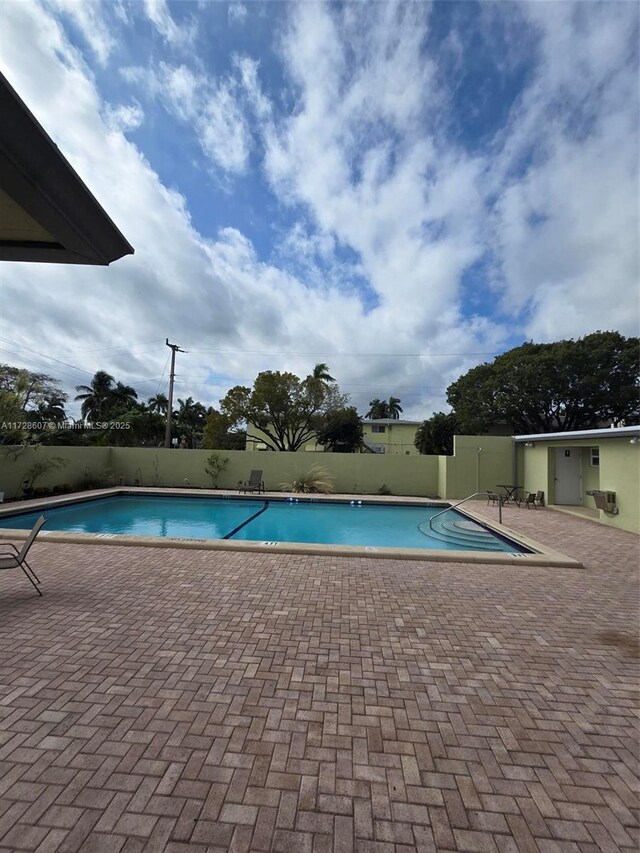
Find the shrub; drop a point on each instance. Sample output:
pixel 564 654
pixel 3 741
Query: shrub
pixel 316 480
pixel 40 492
pixel 214 466
pixel 38 469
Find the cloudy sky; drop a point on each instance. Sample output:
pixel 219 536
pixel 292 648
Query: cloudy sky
pixel 399 190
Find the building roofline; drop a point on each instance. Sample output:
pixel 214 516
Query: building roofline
pixel 611 432
pixel 41 182
pixel 390 421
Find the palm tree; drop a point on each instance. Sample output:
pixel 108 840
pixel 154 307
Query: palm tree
pixel 378 409
pixel 97 397
pixel 321 372
pixel 52 408
pixel 159 404
pixel 124 397
pixel 384 409
pixel 191 417
pixel 394 408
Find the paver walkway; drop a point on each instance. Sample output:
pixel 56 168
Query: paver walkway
pixel 199 701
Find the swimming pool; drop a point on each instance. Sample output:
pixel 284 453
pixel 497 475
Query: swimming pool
pixel 269 521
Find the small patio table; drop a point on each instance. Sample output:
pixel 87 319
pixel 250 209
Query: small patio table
pixel 510 492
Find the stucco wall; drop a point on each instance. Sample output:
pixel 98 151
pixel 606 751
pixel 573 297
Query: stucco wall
pixel 619 472
pixel 478 463
pixel 15 464
pixel 358 473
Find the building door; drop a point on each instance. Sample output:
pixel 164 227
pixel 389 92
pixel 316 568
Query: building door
pixel 568 478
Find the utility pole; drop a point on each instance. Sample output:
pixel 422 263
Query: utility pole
pixel 174 349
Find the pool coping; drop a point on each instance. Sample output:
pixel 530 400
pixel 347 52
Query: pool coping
pixel 542 556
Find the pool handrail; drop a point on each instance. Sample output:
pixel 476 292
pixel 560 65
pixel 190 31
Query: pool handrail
pixel 468 498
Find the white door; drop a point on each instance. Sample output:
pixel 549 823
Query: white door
pixel 569 476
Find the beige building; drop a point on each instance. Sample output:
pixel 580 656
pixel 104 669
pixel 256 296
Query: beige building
pixel 383 435
pixel 392 437
pixel 596 469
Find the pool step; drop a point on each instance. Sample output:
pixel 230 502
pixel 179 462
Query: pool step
pixel 453 528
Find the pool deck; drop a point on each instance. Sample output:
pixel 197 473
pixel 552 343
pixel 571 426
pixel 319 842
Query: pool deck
pixel 198 701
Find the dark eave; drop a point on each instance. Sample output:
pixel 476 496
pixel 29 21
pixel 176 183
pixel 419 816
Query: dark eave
pixel 47 214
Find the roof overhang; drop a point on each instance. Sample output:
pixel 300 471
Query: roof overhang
pixel 47 214
pixel 612 432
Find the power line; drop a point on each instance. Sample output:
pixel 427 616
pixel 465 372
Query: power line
pixel 42 355
pixel 59 361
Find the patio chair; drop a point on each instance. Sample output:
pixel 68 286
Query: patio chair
pixel 518 496
pixel 534 499
pixel 494 498
pixel 18 559
pixel 255 483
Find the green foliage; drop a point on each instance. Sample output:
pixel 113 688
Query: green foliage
pixel 159 403
pixel 135 428
pixel 100 479
pixel 435 436
pixel 214 466
pixel 190 420
pixel 316 480
pixel 39 468
pixel 341 431
pixel 27 397
pixel 321 372
pixel 562 386
pixel 219 435
pixel 390 408
pixel 288 410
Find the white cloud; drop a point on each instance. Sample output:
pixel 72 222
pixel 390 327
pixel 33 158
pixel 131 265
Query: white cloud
pixel 124 117
pixel 87 17
pixel 377 191
pixel 338 154
pixel 566 230
pixel 210 107
pixel 237 13
pixel 203 294
pixel 158 13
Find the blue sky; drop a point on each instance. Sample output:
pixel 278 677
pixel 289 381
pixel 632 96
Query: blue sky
pixel 399 190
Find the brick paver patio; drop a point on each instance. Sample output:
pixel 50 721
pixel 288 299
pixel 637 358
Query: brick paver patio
pixel 163 699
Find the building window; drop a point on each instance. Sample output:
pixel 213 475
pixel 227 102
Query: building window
pixel 595 457
pixel 378 429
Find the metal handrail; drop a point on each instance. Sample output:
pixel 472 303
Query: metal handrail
pixel 468 498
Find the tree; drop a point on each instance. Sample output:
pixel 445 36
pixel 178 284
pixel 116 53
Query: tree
pixel 435 436
pixel 96 397
pixel 145 429
pixel 377 410
pixel 51 407
pixel 34 389
pixel 287 410
pixel 219 435
pixel 384 409
pixel 27 397
pixel 321 372
pixel 342 431
pixel 394 409
pixel 190 418
pixel 124 398
pixel 159 404
pixel 562 386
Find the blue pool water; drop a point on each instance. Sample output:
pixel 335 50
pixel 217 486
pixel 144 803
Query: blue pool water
pixel 373 525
